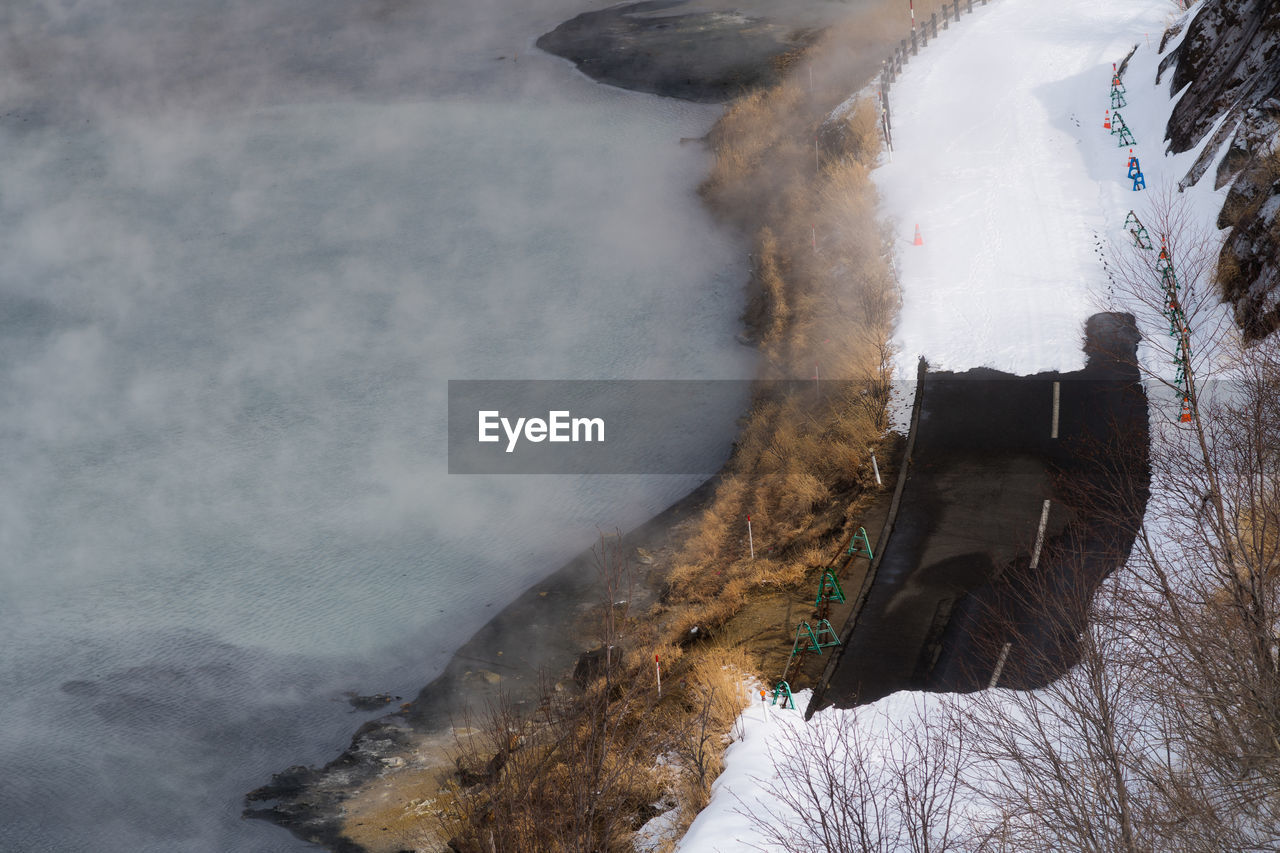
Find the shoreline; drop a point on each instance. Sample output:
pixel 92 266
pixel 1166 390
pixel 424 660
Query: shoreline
pixel 378 795
pixel 546 618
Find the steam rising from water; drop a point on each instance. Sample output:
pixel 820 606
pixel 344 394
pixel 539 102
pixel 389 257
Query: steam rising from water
pixel 242 247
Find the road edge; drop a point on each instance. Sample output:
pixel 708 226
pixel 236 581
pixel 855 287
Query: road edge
pixel 816 701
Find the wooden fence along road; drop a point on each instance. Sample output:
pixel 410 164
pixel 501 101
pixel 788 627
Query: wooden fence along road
pixel 909 47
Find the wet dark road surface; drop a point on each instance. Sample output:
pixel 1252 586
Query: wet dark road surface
pixel 1021 495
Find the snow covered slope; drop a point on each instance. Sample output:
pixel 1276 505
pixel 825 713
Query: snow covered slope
pixel 1001 159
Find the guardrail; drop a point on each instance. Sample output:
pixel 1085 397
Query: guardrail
pixel 911 46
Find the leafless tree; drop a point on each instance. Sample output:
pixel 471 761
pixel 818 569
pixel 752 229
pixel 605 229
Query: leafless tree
pixel 845 789
pixel 1200 598
pixel 616 576
pixel 1206 569
pixel 1205 574
pixel 574 775
pixel 1061 765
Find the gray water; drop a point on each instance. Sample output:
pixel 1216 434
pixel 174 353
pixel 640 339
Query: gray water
pixel 243 246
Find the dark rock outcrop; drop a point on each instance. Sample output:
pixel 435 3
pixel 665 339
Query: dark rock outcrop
pixel 709 56
pixel 1229 65
pixel 1249 264
pixel 309 802
pixel 1230 60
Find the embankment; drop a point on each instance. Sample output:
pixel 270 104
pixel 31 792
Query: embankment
pixel 533 771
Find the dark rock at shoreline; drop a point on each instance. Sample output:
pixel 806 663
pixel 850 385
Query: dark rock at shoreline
pixel 591 665
pixel 309 802
pixel 376 702
pixel 706 56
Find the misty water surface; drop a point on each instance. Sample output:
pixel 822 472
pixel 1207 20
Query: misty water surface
pixel 243 245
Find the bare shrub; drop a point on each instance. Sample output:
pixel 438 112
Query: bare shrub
pixel 1062 765
pixel 1206 565
pixel 573 778
pixel 843 788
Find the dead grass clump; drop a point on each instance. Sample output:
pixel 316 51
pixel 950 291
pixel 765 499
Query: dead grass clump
pixel 722 674
pixel 781 574
pixel 822 308
pixel 858 139
pixel 577 775
pixel 716 690
pixel 1249 193
pixel 584 771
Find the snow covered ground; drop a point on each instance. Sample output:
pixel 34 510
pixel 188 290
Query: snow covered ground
pixel 738 793
pixel 1021 196
pixel 744 798
pixel 1001 158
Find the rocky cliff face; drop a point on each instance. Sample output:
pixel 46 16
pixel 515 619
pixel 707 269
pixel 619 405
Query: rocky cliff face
pixel 1229 65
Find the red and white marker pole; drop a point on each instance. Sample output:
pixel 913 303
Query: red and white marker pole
pixel 912 4
pixel 657 668
pixel 751 542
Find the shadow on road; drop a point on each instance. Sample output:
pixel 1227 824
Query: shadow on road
pixel 1021 495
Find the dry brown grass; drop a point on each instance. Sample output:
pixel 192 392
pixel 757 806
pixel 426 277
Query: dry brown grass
pixel 823 303
pixel 800 469
pixel 1240 207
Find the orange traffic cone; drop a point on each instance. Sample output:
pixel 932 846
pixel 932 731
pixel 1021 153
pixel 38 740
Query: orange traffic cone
pixel 919 241
pixel 1106 121
pixel 1186 411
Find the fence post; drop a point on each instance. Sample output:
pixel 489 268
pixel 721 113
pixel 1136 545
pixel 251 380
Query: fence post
pixel 915 49
pixel 902 55
pixel 970 7
pixel 886 120
pixel 945 17
pixel 933 21
pixel 956 8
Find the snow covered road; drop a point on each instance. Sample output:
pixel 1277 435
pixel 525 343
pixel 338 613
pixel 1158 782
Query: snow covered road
pixel 1001 159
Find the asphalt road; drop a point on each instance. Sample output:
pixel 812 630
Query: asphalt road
pixel 1021 495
